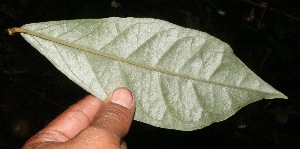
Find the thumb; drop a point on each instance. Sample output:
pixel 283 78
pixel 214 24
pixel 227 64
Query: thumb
pixel 110 124
pixel 116 113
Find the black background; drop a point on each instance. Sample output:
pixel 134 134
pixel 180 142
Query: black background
pixel 33 92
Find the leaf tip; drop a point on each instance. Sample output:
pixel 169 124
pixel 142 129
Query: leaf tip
pixel 285 97
pixel 279 95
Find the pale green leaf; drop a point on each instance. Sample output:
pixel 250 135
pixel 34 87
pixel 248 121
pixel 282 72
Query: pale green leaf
pixel 181 78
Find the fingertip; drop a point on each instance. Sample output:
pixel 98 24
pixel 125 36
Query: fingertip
pixel 123 145
pixel 90 99
pixel 123 97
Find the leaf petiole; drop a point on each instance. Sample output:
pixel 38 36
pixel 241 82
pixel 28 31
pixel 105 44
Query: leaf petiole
pixel 12 31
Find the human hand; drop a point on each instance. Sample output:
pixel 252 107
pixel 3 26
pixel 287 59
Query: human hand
pixel 89 124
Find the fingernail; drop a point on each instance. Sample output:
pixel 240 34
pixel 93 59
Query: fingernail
pixel 122 97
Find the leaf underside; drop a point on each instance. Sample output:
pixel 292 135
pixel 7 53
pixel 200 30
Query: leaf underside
pixel 181 78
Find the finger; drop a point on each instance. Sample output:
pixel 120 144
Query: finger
pixel 117 112
pixel 123 145
pixel 76 118
pixel 111 123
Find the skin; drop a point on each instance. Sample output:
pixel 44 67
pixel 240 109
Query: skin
pixel 89 123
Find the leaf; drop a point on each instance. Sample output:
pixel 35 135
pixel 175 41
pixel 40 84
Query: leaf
pixel 181 78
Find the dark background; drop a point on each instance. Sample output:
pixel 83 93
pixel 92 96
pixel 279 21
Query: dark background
pixel 264 34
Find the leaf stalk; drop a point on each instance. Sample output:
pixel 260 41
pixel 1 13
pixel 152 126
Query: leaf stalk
pixel 12 31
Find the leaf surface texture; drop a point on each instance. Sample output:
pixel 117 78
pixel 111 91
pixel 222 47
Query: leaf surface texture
pixel 181 78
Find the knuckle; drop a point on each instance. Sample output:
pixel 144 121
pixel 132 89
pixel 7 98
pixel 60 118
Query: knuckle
pixel 113 118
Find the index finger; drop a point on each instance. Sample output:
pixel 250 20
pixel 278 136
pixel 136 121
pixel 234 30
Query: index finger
pixel 76 118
